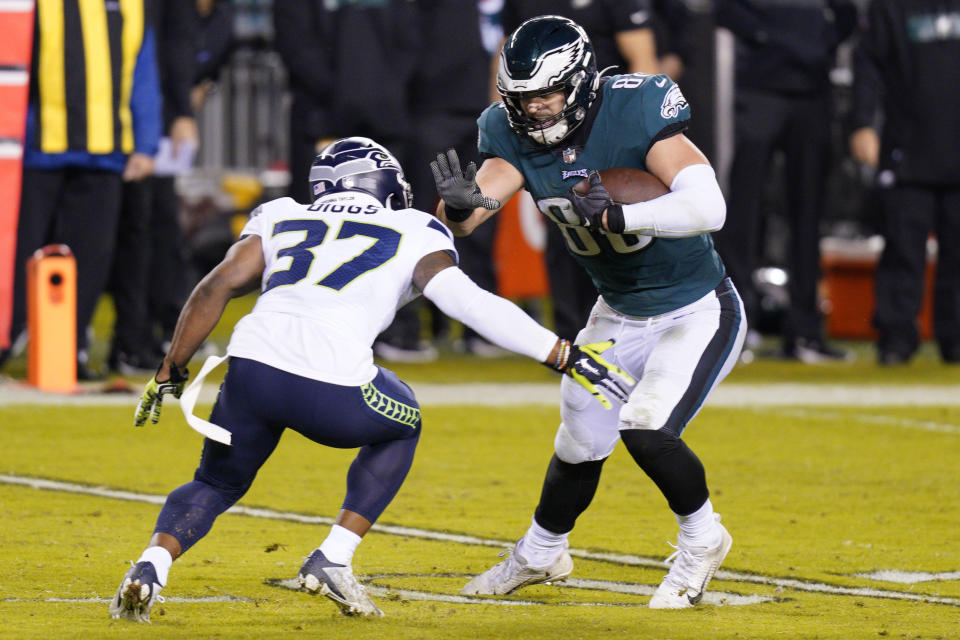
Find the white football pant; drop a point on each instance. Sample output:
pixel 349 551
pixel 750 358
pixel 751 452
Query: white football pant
pixel 677 358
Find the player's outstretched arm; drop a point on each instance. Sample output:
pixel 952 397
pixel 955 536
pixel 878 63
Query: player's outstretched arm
pixel 468 197
pixel 505 324
pixel 237 274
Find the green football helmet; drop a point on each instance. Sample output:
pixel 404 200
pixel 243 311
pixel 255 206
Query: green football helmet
pixel 544 55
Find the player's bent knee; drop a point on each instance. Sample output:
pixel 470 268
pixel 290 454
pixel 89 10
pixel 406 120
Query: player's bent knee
pixel 588 432
pixel 647 445
pixel 190 510
pixel 671 464
pixel 574 450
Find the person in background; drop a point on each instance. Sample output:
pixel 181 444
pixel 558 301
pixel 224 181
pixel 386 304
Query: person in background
pixel 350 69
pixel 448 90
pixel 905 70
pixel 93 124
pixel 671 18
pixel 784 54
pixel 170 254
pixel 302 359
pixel 622 33
pixel 148 223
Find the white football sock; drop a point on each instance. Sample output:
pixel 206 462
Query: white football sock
pixel 699 529
pixel 161 560
pixel 340 545
pixel 540 547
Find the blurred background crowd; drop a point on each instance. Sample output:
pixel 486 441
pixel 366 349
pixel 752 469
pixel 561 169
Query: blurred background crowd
pixel 834 127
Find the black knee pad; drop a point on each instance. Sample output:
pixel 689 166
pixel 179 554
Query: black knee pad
pixel 567 492
pixel 673 467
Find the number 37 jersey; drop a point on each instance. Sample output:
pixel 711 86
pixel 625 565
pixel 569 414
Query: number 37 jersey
pixel 336 272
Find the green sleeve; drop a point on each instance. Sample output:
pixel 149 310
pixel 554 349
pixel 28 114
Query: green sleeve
pixel 654 100
pixel 496 135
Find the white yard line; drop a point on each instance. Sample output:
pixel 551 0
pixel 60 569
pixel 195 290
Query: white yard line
pixel 715 598
pixel 887 421
pixel 786 582
pixel 909 577
pixel 548 394
pixel 227 598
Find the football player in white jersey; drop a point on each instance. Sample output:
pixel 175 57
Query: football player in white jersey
pixel 331 276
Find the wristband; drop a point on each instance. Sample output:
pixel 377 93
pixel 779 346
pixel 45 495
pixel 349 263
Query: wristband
pixel 177 375
pixel 615 221
pixel 458 215
pixel 564 353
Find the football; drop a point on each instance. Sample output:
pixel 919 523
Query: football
pixel 627 185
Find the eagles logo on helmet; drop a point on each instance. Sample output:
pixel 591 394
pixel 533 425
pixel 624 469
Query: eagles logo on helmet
pixel 544 55
pixel 360 164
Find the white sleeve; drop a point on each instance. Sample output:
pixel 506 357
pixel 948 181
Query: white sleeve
pixel 694 205
pixel 495 318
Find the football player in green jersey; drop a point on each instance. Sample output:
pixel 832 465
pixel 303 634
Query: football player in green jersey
pixel 677 319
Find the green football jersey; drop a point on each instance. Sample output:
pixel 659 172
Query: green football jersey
pixel 636 275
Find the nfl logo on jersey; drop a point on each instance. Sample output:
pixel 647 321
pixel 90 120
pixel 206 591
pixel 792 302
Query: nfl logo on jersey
pixel 569 155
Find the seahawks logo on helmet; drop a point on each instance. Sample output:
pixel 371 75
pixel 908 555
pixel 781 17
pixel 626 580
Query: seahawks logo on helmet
pixel 545 55
pixel 360 164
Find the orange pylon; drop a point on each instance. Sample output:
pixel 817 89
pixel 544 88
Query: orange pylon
pixel 52 319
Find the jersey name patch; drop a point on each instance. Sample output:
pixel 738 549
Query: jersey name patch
pixel 673 103
pixel 335 207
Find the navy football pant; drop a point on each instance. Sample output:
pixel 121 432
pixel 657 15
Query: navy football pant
pixel 257 402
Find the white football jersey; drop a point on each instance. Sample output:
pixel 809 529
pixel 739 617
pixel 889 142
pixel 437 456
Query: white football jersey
pixel 336 272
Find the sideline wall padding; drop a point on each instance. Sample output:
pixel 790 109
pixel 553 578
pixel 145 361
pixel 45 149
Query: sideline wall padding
pixel 16 25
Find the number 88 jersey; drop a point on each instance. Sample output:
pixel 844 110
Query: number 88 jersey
pixel 336 272
pixel 636 275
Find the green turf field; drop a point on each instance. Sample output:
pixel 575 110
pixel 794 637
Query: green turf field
pixel 845 520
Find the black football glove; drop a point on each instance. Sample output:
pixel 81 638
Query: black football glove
pixel 590 207
pixel 458 189
pixel 152 399
pixel 586 365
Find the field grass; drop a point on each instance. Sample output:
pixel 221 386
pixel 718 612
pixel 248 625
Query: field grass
pixel 816 498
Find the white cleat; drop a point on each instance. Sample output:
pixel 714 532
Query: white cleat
pixel 514 573
pixel 692 569
pixel 138 591
pixel 336 582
